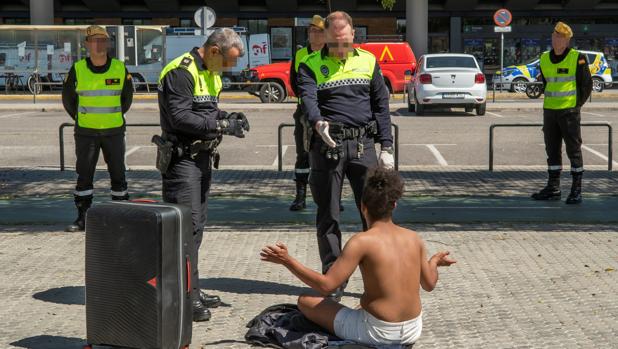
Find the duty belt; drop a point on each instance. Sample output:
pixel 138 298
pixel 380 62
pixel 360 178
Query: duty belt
pixel 192 149
pixel 340 132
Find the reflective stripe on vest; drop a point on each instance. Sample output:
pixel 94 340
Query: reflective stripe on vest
pixel 206 84
pixel 331 72
pixel 561 88
pixel 99 103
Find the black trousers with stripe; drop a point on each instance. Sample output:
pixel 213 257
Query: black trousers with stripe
pixel 559 125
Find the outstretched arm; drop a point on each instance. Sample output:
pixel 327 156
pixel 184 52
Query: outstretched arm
pixel 324 284
pixel 429 268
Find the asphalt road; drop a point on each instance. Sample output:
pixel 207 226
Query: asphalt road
pixel 440 138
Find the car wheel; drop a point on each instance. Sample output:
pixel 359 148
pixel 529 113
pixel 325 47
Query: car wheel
pixel 226 82
pixel 138 82
pixel 411 106
pixel 469 108
pixel 597 84
pixel 519 85
pixel 419 109
pixel 272 93
pixel 480 109
pixel 31 86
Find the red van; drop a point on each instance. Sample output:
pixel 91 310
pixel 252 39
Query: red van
pixel 395 59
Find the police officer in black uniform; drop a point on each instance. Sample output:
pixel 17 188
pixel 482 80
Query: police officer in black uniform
pixel 568 84
pixel 193 127
pixel 346 100
pixel 301 128
pixel 96 93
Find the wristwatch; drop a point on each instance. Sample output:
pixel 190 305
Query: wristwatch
pixel 388 150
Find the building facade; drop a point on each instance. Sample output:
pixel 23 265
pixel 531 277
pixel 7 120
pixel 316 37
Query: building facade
pixel 453 25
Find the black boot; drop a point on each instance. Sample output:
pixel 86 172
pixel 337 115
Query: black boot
pixel 200 312
pixel 209 301
pixel 575 197
pixel 301 194
pixel 80 223
pixel 552 189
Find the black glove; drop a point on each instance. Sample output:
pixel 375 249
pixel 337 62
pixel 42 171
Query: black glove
pixel 231 127
pixel 241 117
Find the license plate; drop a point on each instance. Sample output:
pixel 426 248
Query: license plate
pixel 453 95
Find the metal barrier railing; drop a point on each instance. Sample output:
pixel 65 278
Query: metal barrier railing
pixel 67 124
pixel 280 145
pixel 586 124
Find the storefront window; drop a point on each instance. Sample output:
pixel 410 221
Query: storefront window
pixel 281 39
pixel 254 26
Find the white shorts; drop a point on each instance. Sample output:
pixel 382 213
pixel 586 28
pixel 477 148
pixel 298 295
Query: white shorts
pixel 359 326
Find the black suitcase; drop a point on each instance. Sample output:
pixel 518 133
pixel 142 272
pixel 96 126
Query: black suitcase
pixel 138 275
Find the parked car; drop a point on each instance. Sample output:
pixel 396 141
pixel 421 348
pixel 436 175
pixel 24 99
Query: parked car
pixel 515 77
pixel 394 58
pixel 447 80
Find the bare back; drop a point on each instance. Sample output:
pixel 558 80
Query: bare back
pixel 391 270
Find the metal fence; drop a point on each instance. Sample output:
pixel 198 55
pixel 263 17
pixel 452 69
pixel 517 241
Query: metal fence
pixel 585 124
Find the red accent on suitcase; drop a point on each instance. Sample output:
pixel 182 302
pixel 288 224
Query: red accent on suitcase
pixel 153 282
pixel 188 275
pixel 145 201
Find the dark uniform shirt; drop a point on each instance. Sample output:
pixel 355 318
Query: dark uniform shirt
pixel 351 105
pixel 582 75
pixel 182 116
pixel 70 98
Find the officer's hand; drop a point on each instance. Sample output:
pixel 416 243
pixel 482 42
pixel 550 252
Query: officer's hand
pixel 386 160
pixel 322 128
pixel 244 121
pixel 231 127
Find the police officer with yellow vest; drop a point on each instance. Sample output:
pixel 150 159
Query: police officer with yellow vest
pixel 568 85
pixel 193 127
pixel 301 167
pixel 96 93
pixel 346 100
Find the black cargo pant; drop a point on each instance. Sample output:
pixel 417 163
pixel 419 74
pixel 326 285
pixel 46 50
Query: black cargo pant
pixel 564 125
pixel 301 167
pixel 326 182
pixel 187 182
pixel 87 148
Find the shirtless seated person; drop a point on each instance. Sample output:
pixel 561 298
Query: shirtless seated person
pixel 393 262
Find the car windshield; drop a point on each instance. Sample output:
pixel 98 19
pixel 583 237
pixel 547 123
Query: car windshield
pixel 451 62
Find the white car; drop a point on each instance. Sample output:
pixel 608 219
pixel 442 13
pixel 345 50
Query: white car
pixel 447 80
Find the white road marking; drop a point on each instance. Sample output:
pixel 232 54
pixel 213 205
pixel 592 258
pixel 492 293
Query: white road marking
pixel 432 148
pixel 17 114
pixel 131 151
pixel 601 155
pixel 276 162
pixel 421 144
pixel 494 114
pixel 593 114
pixel 484 207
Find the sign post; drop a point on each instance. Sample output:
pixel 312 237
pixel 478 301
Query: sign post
pixel 502 19
pixel 205 18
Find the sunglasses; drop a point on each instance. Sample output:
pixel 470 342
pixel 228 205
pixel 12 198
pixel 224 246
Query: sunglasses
pixel 98 40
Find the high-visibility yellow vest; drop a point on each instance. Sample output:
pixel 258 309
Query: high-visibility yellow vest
pixel 206 84
pixel 561 87
pixel 330 72
pixel 99 96
pixel 300 54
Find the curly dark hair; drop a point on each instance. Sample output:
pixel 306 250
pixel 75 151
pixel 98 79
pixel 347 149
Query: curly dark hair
pixel 382 189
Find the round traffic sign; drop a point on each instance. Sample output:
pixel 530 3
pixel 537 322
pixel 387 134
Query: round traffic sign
pixel 205 17
pixel 503 17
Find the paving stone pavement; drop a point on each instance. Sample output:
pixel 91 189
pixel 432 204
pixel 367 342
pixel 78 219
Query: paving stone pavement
pixel 420 181
pixel 523 286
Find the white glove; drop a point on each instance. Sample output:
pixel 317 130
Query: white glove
pixel 386 160
pixel 322 128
